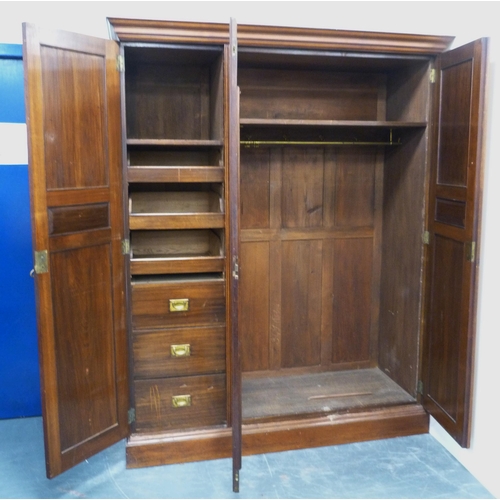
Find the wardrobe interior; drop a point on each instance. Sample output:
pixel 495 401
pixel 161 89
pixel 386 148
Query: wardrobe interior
pixel 333 169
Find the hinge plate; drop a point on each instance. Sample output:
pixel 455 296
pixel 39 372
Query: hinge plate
pixel 236 269
pixel 470 251
pixel 131 415
pixel 125 246
pixel 426 237
pixel 432 76
pixel 420 387
pixel 120 64
pixel 41 262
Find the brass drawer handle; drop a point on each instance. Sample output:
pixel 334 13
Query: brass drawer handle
pixel 181 401
pixel 180 350
pixel 179 305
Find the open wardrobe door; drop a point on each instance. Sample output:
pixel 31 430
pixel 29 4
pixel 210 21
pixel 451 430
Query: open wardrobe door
pixel 454 229
pixel 75 164
pixel 234 204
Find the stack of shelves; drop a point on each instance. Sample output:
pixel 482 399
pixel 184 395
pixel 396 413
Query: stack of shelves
pixel 176 195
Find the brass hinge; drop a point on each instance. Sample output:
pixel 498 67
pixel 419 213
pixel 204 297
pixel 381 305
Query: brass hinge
pixel 470 251
pixel 120 64
pixel 432 76
pixel 420 387
pixel 125 246
pixel 41 262
pixel 131 415
pixel 235 268
pixel 426 237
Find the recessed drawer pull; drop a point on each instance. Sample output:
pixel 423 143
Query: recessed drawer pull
pixel 179 305
pixel 180 350
pixel 181 401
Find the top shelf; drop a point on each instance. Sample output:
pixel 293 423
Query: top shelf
pixel 259 132
pixel 278 122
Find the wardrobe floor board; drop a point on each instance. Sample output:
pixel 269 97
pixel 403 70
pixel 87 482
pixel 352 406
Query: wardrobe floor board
pixel 319 393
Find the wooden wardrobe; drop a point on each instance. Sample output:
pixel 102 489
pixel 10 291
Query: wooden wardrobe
pixel 251 239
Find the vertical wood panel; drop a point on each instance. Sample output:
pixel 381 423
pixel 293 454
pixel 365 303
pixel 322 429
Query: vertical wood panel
pixel 354 187
pixel 73 89
pixel 352 291
pixel 254 191
pixel 302 194
pixel 454 124
pixel 83 314
pixel 301 303
pixel 445 316
pixel 254 315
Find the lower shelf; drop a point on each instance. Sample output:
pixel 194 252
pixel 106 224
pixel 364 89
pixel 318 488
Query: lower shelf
pixel 179 447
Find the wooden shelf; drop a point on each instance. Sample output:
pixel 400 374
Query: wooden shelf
pixel 256 132
pixel 187 143
pixel 175 210
pixel 155 174
pixel 264 122
pixel 176 252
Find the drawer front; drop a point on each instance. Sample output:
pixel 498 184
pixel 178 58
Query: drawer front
pixel 180 403
pixel 179 351
pixel 167 305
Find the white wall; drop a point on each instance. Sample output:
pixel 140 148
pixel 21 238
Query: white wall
pixel 465 20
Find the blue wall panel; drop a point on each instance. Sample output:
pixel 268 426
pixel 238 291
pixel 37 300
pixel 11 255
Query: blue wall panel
pixel 11 84
pixel 19 376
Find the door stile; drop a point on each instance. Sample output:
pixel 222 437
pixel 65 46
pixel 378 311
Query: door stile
pixel 454 228
pixel 234 237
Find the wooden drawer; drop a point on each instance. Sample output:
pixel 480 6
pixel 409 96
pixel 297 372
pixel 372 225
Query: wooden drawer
pixel 156 411
pixel 180 351
pixel 159 303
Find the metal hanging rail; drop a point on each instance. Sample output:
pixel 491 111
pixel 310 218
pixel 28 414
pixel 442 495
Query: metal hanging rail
pixel 256 144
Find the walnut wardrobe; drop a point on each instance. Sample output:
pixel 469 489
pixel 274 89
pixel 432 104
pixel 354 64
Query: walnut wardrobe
pixel 250 239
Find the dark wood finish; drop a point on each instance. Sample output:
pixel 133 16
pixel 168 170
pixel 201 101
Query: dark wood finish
pixel 402 261
pixel 175 174
pixel 150 303
pixel 182 102
pixel 133 30
pixel 351 304
pixel 452 266
pixel 155 411
pixel 73 110
pixel 301 304
pixel 64 220
pixel 335 158
pixel 233 269
pixel 153 352
pixel 311 95
pixel 254 317
pixel 295 221
pixel 175 208
pixel 274 398
pixel 406 420
pixel 176 251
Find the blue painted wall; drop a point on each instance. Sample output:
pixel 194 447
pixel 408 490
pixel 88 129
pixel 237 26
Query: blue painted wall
pixel 19 376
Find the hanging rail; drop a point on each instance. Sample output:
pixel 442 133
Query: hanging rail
pixel 285 142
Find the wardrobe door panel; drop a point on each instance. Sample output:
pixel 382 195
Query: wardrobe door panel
pixel 73 108
pixel 452 255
